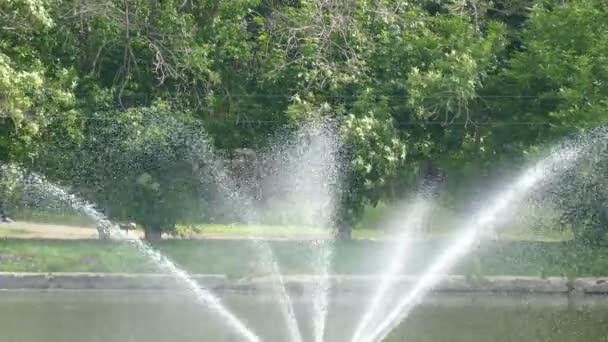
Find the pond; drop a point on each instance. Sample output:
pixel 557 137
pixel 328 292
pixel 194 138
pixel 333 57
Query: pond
pixel 157 316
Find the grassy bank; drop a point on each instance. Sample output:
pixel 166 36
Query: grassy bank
pixel 271 231
pixel 67 218
pixel 236 257
pixel 514 233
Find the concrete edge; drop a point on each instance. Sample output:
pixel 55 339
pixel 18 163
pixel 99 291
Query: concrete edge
pixel 300 283
pixel 110 281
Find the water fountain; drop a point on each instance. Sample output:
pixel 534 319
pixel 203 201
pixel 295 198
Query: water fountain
pixel 303 170
pixel 203 295
pixel 407 223
pixel 558 160
pixel 247 213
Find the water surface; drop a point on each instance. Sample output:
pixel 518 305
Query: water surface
pixel 156 316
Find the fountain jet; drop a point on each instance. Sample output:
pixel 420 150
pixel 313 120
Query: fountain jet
pixel 202 294
pixel 305 172
pixel 410 222
pixel 559 159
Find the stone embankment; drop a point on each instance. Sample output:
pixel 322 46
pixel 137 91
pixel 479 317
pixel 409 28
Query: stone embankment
pixel 299 283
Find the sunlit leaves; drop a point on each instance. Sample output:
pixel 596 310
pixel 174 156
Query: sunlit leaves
pixel 562 70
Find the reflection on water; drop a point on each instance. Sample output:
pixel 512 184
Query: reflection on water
pixel 155 316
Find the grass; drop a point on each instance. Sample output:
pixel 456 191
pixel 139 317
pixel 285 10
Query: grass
pixel 51 217
pixel 238 258
pixel 514 233
pixel 21 255
pixel 520 251
pixel 271 231
pixel 533 224
pixel 13 232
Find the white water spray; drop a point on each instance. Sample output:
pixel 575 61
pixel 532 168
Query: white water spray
pixel 559 159
pixel 269 263
pixel 322 290
pixel 413 218
pixel 304 175
pixel 243 206
pixel 203 295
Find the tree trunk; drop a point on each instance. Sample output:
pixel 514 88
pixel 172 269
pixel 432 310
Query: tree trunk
pixel 345 231
pixel 595 233
pixel 590 236
pixel 152 233
pixel 82 37
pixel 103 228
pixel 3 217
pixel 103 232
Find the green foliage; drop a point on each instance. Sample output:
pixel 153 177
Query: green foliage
pixel 523 258
pixel 558 79
pixel 8 183
pixel 561 73
pixel 138 164
pixel 376 153
pixel 581 197
pixel 30 92
pixel 462 86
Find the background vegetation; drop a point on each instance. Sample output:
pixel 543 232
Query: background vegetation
pixel 104 96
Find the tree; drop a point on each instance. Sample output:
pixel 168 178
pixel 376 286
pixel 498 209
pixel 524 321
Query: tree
pixel 31 93
pixel 374 155
pixel 449 82
pixel 197 55
pixel 556 85
pixel 556 82
pixel 581 194
pixel 138 164
pixel 433 70
pixel 418 77
pixel 8 184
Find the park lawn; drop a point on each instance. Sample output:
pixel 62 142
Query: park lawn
pixel 270 231
pixel 50 217
pixel 238 257
pixel 510 232
pixel 13 232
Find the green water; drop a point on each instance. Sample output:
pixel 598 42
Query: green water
pixel 129 316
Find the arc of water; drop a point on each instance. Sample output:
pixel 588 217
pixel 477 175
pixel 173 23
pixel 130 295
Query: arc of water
pixel 530 177
pixel 203 295
pixel 269 261
pixel 414 216
pixel 307 172
pixel 200 146
pixel 323 178
pixel 278 284
pixel 321 291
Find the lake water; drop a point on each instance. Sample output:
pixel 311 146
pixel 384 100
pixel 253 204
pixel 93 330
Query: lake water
pixel 156 316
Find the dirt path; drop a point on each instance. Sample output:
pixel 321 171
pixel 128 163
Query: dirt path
pixel 30 230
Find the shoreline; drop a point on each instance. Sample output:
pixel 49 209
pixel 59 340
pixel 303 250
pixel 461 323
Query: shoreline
pixel 300 284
